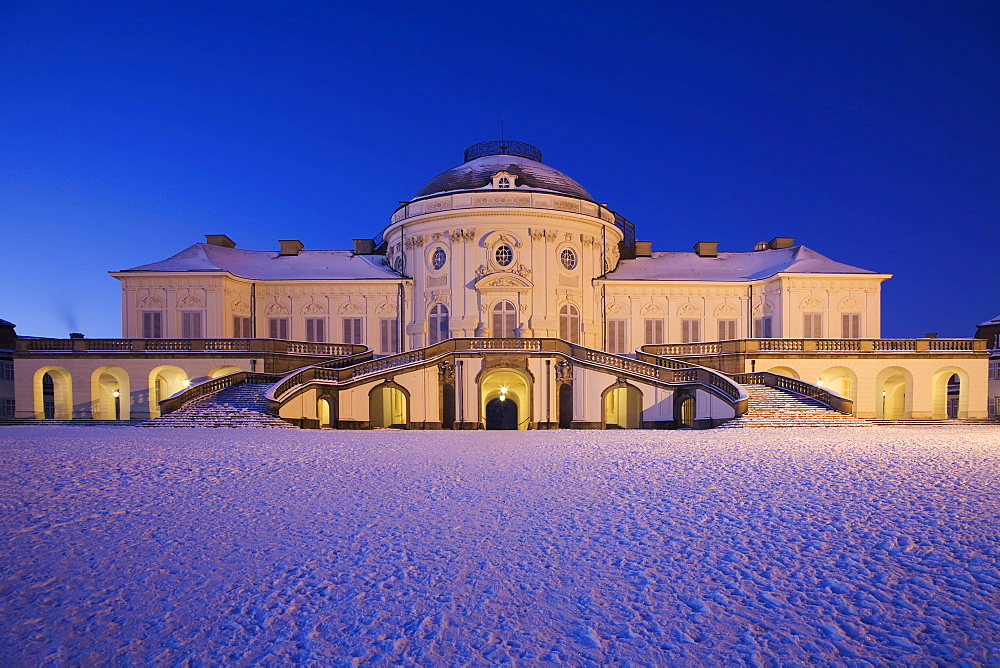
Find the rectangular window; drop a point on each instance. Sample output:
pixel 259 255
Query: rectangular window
pixel 190 324
pixel 654 331
pixel 727 330
pixel 994 369
pixel 277 328
pixel 812 325
pixel 353 332
pixel 616 337
pixel 7 409
pixel 316 330
pixel 690 331
pixel 996 407
pixel 7 371
pixel 241 327
pixel 388 336
pixel 850 325
pixel 762 328
pixel 152 325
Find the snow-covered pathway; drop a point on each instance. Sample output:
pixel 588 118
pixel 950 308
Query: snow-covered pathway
pixel 246 546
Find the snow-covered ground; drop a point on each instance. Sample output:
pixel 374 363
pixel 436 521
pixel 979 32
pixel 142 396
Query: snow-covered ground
pixel 159 546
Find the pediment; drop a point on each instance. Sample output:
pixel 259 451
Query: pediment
pixel 503 281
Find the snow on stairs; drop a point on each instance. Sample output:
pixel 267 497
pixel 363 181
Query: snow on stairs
pixel 237 406
pixel 774 407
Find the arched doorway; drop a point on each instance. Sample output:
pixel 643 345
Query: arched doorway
pixel 684 410
pixel 894 393
pixel 840 380
pixel 949 394
pixel 501 413
pixel 388 406
pixel 326 411
pixel 511 389
pixel 622 406
pixel 165 381
pixel 220 371
pixel 566 406
pixel 53 393
pixel 110 394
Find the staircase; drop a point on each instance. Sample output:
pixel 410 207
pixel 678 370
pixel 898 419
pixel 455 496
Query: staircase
pixel 237 406
pixel 774 407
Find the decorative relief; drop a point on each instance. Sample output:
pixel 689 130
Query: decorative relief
pixel 567 205
pixel 651 310
pixel 240 307
pixel 190 301
pixel 150 302
pixel 436 281
pixel 522 271
pixel 542 235
pixel 446 372
pixel 850 304
pixel 611 252
pixel 501 200
pixel 727 310
pixel 438 205
pixel 689 309
pixel 811 302
pixel 386 309
pixel 588 240
pixel 276 309
pixel 567 236
pixel 569 281
pixel 313 309
pixel 617 309
pixel 564 371
pixel 503 282
pixel 463 235
pixel 351 308
pixel 416 241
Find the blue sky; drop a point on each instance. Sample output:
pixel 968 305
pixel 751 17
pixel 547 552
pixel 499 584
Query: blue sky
pixel 868 131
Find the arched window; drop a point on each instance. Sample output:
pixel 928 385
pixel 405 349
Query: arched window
pixel 568 259
pixel 438 325
pixel 504 255
pixel 504 320
pixel 569 323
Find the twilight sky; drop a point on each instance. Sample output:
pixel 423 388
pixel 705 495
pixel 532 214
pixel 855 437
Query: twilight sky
pixel 870 131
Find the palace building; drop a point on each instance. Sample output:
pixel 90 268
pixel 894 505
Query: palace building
pixel 501 295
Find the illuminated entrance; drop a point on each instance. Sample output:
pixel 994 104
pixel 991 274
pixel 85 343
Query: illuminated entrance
pixel 505 399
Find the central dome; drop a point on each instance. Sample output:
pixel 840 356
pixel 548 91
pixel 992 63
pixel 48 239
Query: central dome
pixel 485 159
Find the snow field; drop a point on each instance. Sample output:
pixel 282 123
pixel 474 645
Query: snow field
pixel 241 546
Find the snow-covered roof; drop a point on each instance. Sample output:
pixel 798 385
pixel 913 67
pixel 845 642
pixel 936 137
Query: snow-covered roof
pixel 477 173
pixel 993 321
pixel 689 266
pixel 270 266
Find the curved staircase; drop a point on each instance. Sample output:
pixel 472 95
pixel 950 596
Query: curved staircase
pixel 775 407
pixel 242 405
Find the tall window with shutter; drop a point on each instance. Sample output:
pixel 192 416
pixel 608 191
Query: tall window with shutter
pixel 690 331
pixel 241 327
pixel 617 342
pixel 152 325
pixel 654 331
pixel 850 325
pixel 569 323
pixel 504 320
pixel 762 328
pixel 277 328
pixel 316 330
pixel 437 324
pixel 190 324
pixel 812 325
pixel 388 336
pixel 727 330
pixel 353 330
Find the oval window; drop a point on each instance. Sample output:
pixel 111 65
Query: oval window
pixel 438 258
pixel 504 255
pixel 568 258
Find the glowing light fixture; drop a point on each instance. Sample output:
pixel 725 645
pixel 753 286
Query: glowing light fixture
pixel 116 394
pixel 186 382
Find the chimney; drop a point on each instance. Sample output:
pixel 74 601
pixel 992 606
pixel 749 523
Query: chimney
pixel 643 248
pixel 707 248
pixel 290 247
pixel 364 246
pixel 930 335
pixel 781 242
pixel 75 335
pixel 219 240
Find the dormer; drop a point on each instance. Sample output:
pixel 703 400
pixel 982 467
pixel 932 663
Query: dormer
pixel 504 181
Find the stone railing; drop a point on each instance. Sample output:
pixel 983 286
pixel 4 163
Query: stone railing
pixel 831 399
pixel 345 371
pixel 213 385
pixel 806 346
pixel 502 198
pixel 258 346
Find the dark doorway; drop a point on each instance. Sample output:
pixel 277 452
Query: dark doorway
pixel 565 406
pixel 448 407
pixel 501 414
pixel 685 413
pixel 48 397
pixel 954 392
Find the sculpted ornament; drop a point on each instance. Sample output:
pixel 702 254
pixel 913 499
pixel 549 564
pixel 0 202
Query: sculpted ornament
pixel 276 309
pixel 313 308
pixel 189 302
pixel 150 302
pixel 416 241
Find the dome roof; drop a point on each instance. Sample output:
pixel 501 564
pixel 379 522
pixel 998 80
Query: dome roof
pixel 485 159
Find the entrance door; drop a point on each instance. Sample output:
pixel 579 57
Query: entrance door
pixel 565 406
pixel 501 414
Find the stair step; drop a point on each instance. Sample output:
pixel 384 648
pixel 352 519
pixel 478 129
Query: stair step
pixel 242 405
pixel 774 407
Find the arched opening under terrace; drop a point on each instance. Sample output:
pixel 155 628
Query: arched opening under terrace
pixel 53 393
pixel 505 399
pixel 949 393
pixel 894 394
pixel 622 406
pixel 110 394
pixel 389 406
pixel 165 381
